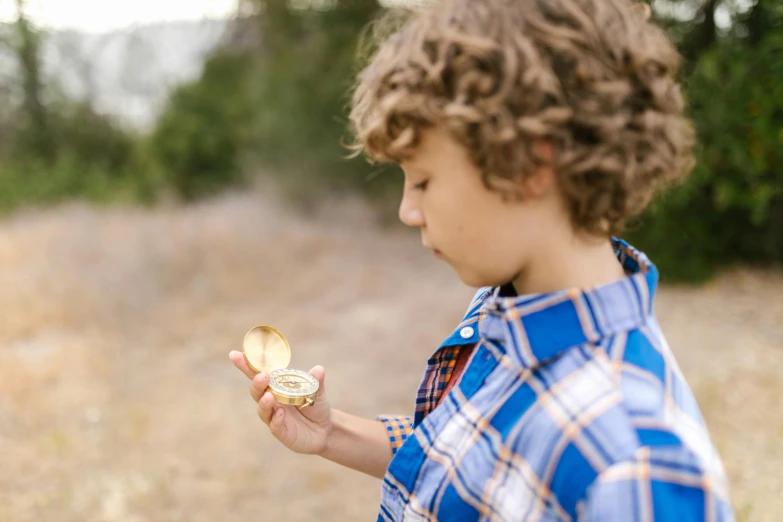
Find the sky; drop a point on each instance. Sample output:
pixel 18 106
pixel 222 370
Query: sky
pixel 106 15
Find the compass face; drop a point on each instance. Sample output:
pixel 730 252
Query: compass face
pixel 266 349
pixel 293 383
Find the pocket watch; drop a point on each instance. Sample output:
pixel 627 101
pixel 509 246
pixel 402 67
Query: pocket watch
pixel 267 350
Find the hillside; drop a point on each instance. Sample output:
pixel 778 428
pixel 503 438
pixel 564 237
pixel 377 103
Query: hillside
pixel 128 73
pixel 118 401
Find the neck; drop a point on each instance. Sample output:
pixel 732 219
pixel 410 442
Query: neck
pixel 575 263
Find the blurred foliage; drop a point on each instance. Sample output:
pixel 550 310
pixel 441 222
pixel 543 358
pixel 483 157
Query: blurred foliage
pixel 201 137
pixel 730 209
pixel 280 108
pixel 303 82
pixel 88 157
pixel 54 149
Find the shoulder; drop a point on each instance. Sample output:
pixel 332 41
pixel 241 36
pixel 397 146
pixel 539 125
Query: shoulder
pixel 660 403
pixel 657 483
pixel 628 415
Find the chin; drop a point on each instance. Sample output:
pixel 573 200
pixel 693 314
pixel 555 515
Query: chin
pixel 477 281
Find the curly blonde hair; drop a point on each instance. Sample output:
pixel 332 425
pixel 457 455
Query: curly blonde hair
pixel 595 78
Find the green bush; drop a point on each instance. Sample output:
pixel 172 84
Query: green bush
pixel 200 138
pixel 730 209
pixel 40 183
pixel 92 159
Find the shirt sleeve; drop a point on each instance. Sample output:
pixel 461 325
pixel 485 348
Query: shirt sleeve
pixel 398 429
pixel 655 490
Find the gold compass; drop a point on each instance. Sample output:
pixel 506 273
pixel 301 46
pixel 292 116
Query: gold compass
pixel 267 350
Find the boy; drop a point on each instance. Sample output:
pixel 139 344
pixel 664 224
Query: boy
pixel 529 131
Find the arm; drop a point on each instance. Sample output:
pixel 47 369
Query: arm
pixel 362 444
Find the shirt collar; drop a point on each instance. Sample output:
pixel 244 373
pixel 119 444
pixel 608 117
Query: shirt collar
pixel 533 328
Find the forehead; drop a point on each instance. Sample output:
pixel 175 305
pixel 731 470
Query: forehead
pixel 434 144
pixel 420 159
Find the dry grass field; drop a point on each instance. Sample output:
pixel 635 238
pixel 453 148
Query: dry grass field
pixel 118 402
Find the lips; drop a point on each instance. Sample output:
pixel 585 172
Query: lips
pixel 435 251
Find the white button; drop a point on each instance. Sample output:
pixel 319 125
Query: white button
pixel 466 333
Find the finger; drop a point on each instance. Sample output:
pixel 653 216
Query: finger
pixel 239 361
pixel 277 424
pixel 267 407
pixel 642 9
pixel 258 386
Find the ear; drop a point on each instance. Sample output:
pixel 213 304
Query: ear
pixel 543 150
pixel 539 182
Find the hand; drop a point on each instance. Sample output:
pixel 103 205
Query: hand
pixel 304 431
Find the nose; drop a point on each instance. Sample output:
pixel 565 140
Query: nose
pixel 409 213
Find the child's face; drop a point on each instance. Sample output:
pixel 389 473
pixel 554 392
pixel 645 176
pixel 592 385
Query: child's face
pixel 487 241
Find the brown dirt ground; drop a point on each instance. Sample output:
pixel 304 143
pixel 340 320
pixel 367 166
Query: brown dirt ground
pixel 118 402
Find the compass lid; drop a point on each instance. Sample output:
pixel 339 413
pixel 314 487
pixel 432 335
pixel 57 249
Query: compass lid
pixel 266 349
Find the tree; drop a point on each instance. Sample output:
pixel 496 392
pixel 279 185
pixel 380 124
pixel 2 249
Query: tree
pixel 24 45
pixel 303 79
pixel 731 207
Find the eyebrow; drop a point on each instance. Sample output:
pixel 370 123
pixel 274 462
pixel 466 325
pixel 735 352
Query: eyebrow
pixel 420 170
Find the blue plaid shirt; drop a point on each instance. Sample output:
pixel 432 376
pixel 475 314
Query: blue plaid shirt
pixel 572 407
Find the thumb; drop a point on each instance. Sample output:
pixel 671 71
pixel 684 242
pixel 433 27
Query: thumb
pixel 320 374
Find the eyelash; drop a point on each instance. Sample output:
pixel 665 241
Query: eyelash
pixel 421 186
